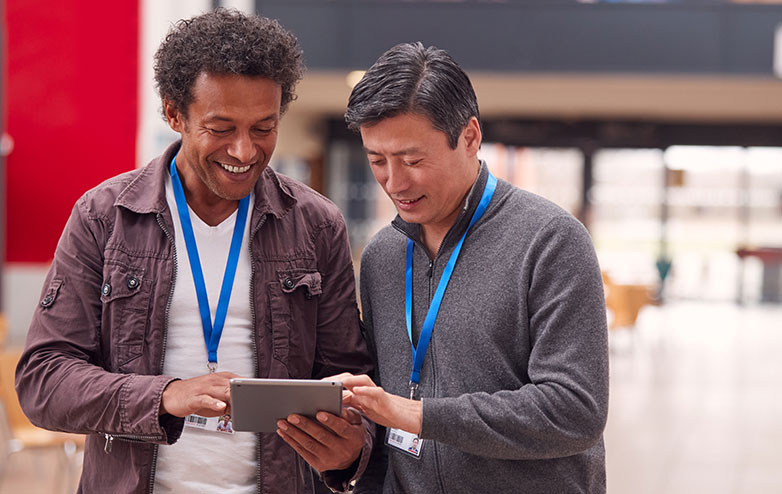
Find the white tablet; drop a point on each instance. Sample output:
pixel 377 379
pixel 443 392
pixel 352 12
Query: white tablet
pixel 257 404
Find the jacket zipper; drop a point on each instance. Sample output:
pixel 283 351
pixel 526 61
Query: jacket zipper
pixel 107 447
pixel 254 339
pixel 165 337
pixel 127 437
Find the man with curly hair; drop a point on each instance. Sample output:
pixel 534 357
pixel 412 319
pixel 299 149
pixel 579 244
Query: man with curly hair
pixel 201 266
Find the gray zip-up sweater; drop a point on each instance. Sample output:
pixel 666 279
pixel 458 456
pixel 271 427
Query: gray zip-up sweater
pixel 515 382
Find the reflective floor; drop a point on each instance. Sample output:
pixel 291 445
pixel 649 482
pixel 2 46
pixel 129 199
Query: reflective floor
pixel 696 401
pixel 696 406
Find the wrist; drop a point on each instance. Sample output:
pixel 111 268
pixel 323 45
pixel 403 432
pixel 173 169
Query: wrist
pixel 415 416
pixel 165 397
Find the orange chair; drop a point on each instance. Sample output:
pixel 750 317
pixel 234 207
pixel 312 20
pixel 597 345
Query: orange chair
pixel 626 301
pixel 18 434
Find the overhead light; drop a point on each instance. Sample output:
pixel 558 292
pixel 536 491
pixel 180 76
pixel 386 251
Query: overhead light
pixel 778 51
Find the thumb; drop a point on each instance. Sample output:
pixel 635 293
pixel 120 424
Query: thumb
pixel 210 403
pixel 351 415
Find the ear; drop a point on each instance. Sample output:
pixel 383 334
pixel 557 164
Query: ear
pixel 174 117
pixel 472 136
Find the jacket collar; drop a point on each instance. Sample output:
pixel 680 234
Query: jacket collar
pixel 413 230
pixel 147 192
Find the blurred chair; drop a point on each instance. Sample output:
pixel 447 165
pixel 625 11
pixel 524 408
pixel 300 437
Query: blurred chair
pixel 18 434
pixel 626 301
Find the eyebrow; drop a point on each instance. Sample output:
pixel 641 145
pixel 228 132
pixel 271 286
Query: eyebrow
pixel 219 118
pixel 395 153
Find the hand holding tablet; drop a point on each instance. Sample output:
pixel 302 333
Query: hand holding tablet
pixel 306 414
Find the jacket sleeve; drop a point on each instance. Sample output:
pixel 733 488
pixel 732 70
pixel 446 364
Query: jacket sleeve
pixel 62 379
pixel 340 343
pixel 562 410
pixel 371 482
pixel 340 346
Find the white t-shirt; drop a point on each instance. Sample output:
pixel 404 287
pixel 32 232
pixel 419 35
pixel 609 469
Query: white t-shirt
pixel 201 461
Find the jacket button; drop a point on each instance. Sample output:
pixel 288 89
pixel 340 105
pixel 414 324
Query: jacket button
pixel 288 283
pixel 47 301
pixel 133 283
pixel 106 290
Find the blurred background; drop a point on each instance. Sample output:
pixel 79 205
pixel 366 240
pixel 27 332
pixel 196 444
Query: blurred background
pixel 657 123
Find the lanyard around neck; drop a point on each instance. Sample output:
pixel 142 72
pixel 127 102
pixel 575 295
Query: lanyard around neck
pixel 212 333
pixel 419 352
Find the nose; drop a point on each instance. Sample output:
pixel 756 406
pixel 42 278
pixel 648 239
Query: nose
pixel 396 179
pixel 242 148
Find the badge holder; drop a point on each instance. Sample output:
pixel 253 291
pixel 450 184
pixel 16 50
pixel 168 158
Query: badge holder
pixel 405 442
pixel 222 424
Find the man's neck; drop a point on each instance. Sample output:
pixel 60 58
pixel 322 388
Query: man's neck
pixel 208 206
pixel 212 212
pixel 433 234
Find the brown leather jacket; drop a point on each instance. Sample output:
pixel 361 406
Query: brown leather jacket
pixel 95 349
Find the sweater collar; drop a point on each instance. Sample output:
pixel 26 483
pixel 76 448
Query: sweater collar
pixel 413 230
pixel 147 192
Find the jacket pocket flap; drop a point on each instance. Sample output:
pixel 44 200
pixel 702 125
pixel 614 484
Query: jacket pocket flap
pixel 293 280
pixel 51 294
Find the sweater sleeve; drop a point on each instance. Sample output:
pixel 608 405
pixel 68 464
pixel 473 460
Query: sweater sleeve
pixel 61 379
pixel 562 408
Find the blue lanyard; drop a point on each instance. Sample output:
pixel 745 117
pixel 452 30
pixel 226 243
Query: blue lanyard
pixel 211 333
pixel 434 308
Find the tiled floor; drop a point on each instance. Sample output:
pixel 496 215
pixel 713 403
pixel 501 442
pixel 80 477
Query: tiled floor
pixel 696 406
pixel 696 401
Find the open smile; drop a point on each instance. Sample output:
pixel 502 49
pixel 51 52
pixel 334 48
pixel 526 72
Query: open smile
pixel 407 204
pixel 235 169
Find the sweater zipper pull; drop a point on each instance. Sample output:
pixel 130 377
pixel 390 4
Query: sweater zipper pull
pixel 429 273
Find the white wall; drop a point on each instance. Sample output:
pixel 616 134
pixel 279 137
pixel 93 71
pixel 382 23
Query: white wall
pixel 22 285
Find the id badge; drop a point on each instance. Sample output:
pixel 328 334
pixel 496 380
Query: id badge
pixel 222 424
pixel 405 442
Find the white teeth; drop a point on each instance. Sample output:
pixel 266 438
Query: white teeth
pixel 235 169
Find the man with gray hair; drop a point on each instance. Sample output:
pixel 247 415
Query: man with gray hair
pixel 483 303
pixel 201 266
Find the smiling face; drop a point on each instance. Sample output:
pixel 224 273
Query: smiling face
pixel 228 138
pixel 425 178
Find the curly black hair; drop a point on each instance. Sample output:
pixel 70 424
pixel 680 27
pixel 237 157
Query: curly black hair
pixel 226 41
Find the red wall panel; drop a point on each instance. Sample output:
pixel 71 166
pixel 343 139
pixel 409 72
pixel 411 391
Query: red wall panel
pixel 72 111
